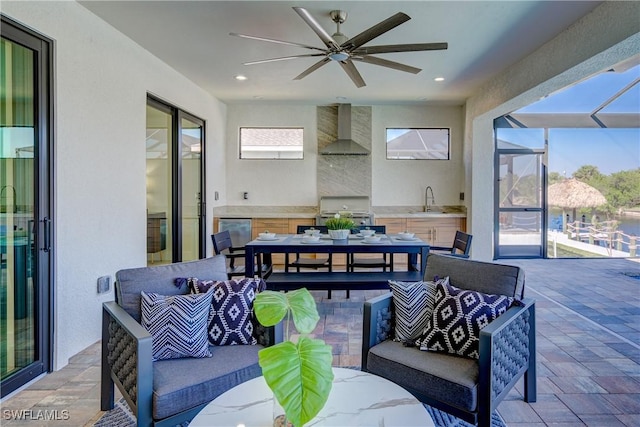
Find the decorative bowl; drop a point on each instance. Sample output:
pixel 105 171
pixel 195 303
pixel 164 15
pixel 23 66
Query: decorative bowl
pixel 372 239
pixel 267 235
pixel 311 238
pixel 312 232
pixel 366 232
pixel 406 235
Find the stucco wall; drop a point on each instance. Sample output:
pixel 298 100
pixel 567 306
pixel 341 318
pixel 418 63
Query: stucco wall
pixel 599 40
pixel 101 82
pixel 393 182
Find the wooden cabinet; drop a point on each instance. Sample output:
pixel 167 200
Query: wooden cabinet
pixel 295 222
pixel 436 231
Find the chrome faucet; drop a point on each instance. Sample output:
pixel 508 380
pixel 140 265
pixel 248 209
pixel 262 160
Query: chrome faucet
pixel 427 206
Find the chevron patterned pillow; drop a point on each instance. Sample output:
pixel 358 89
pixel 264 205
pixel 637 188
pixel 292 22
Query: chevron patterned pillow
pixel 177 324
pixel 413 303
pixel 458 317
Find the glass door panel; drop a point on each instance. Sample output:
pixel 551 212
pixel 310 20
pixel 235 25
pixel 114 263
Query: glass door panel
pixel 18 308
pixel 191 134
pixel 159 185
pixel 520 204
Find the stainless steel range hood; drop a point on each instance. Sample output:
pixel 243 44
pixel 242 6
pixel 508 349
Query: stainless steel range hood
pixel 344 145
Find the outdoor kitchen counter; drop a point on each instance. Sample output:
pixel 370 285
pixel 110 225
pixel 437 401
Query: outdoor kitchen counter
pixel 312 211
pixel 265 212
pixel 418 212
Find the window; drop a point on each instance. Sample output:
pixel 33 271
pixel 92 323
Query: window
pixel 271 143
pixel 418 144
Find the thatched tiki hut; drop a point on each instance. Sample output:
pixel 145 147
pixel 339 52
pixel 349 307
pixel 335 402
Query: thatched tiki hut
pixel 573 194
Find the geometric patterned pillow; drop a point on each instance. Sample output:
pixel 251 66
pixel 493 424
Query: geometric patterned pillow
pixel 413 303
pixel 177 324
pixel 231 318
pixel 457 319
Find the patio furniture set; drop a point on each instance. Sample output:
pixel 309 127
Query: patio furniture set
pixel 433 340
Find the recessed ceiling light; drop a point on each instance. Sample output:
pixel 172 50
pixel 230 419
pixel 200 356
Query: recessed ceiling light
pixel 439 79
pixel 241 78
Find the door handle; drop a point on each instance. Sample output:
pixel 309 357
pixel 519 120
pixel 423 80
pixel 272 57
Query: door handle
pixel 46 234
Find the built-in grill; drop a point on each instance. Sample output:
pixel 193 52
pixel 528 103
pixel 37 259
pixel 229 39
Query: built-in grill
pixel 358 207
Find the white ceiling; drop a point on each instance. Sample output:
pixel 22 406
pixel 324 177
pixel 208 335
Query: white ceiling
pixel 484 38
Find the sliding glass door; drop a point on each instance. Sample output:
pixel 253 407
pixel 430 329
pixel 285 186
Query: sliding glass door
pixel 25 211
pixel 175 184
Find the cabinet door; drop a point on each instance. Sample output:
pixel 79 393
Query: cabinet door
pixel 423 227
pixel 445 230
pixel 394 225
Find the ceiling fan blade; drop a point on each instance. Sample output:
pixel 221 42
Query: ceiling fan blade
pixel 392 48
pixel 352 72
pixel 310 20
pixel 373 32
pixel 282 58
pixel 265 39
pixel 389 64
pixel 311 69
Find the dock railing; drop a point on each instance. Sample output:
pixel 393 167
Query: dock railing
pixel 603 233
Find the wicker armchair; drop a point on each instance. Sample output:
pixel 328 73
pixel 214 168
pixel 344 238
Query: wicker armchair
pixel 168 392
pixel 466 388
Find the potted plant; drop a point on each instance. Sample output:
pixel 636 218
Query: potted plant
pixel 300 373
pixel 339 226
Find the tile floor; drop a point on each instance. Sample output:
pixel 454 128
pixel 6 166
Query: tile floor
pixel 588 344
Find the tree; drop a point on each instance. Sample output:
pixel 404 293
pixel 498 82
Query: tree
pixel 588 174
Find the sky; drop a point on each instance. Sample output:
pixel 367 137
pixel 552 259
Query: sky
pixel 611 150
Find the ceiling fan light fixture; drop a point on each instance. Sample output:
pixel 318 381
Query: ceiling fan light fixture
pixel 339 56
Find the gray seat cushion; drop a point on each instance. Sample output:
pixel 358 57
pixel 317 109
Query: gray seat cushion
pixel 181 384
pixel 438 376
pixel 161 280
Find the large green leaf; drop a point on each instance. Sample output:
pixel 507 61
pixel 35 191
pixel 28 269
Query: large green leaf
pixel 304 310
pixel 299 375
pixel 270 308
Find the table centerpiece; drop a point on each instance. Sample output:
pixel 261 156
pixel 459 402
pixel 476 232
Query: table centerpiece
pixel 339 226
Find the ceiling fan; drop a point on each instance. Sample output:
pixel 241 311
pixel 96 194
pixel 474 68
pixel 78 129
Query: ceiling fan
pixel 344 51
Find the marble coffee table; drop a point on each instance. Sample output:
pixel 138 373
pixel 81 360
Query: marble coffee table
pixel 357 399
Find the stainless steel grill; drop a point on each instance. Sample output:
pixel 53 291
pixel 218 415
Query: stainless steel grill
pixel 358 207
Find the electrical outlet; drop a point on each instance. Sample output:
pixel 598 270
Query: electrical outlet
pixel 216 196
pixel 462 196
pixel 104 284
pixel 245 195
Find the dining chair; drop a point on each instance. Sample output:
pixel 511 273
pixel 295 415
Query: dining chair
pixel 460 248
pixel 306 262
pixel 384 261
pixel 222 244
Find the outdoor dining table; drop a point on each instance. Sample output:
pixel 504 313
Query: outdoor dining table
pixel 416 249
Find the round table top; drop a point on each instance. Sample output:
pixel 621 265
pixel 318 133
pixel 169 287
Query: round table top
pixel 357 399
